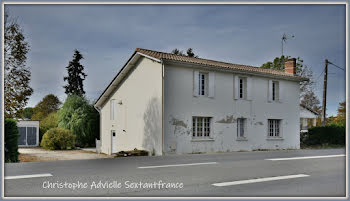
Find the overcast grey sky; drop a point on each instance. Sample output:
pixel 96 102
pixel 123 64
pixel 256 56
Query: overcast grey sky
pixel 107 35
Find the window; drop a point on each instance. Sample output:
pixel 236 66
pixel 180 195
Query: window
pixel 274 128
pixel 201 126
pixel 240 128
pixel 112 109
pixel 203 80
pixel 242 88
pixel 275 91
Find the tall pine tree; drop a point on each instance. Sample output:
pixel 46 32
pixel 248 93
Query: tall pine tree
pixel 76 76
pixel 17 75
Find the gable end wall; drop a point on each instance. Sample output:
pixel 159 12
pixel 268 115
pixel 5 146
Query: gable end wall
pixel 138 117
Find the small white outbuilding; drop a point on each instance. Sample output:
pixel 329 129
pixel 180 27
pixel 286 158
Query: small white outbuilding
pixel 308 118
pixel 28 133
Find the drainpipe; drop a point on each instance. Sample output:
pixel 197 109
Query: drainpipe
pixel 99 112
pixel 162 107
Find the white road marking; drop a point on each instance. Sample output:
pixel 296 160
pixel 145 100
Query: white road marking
pixel 260 180
pixel 28 176
pixel 177 165
pixel 305 157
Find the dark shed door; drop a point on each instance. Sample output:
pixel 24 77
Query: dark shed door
pixel 31 135
pixel 22 136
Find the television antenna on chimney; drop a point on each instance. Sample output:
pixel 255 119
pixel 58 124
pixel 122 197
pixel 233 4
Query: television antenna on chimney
pixel 285 37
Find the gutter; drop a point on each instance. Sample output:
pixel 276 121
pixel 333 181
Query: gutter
pixel 99 112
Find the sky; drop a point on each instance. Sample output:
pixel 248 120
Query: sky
pixel 107 35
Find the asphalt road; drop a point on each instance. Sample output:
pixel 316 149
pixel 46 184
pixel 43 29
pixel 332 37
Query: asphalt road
pixel 199 175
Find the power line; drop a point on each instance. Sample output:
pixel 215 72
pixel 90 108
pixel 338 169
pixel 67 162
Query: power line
pixel 336 66
pixel 320 75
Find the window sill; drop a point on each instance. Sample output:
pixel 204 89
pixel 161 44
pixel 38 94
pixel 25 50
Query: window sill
pixel 241 139
pixel 274 101
pixel 202 140
pixel 277 138
pixel 242 99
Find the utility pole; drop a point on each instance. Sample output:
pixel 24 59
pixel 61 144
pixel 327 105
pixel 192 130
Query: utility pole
pixel 324 103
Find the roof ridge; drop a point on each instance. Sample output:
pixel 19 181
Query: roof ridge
pixel 209 62
pixel 138 49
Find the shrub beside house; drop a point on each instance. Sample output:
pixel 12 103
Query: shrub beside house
pixel 11 140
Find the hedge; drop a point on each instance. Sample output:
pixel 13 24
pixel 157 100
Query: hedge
pixel 11 140
pixel 58 139
pixel 329 134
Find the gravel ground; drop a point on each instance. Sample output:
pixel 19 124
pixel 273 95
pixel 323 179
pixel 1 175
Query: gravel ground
pixel 40 154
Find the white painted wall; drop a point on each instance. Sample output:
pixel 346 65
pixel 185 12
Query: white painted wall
pixel 138 118
pixel 180 105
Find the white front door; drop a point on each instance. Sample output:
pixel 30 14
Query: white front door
pixel 114 141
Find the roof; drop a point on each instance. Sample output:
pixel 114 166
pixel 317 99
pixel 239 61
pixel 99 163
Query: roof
pixel 169 57
pixel 218 64
pixel 309 109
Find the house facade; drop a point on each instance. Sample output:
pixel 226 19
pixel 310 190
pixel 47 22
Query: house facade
pixel 165 103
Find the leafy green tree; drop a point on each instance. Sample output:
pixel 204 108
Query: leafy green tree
pixel 189 52
pixel 76 76
pixel 177 52
pixel 81 118
pixel 16 74
pixel 50 103
pixel 47 123
pixel 28 112
pixel 340 119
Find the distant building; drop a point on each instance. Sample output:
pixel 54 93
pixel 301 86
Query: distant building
pixel 307 118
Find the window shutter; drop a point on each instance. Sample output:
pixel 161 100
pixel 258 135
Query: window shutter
pixel 236 86
pixel 196 83
pixel 112 109
pixel 270 91
pixel 280 92
pixel 249 88
pixel 211 84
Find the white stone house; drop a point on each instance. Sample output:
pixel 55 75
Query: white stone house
pixel 308 118
pixel 165 103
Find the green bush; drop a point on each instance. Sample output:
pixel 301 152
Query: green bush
pixel 329 134
pixel 58 139
pixel 11 140
pixel 81 118
pixel 47 123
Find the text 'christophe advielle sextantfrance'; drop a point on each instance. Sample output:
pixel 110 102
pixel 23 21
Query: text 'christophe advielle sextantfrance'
pixel 112 185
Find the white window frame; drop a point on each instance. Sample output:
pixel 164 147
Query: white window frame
pixel 275 91
pixel 112 109
pixel 274 129
pixel 203 87
pixel 201 127
pixel 241 127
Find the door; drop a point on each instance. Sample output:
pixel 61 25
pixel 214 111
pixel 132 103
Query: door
pixel 114 141
pixel 22 139
pixel 31 136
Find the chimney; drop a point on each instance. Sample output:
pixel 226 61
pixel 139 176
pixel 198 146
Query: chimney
pixel 290 66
